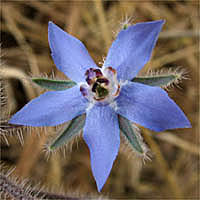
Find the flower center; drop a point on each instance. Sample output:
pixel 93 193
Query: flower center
pixel 101 85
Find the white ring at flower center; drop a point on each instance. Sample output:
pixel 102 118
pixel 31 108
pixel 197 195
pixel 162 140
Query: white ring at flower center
pixel 113 87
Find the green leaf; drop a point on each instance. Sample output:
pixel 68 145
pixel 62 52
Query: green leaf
pixel 130 134
pixel 69 132
pixel 157 80
pixel 53 84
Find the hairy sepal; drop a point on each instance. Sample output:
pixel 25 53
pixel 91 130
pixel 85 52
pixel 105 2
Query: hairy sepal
pixel 68 132
pixel 51 84
pixel 161 78
pixel 131 135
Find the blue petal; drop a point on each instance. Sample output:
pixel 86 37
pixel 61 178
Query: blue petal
pixel 150 107
pixel 132 48
pixel 69 54
pixel 101 133
pixel 51 108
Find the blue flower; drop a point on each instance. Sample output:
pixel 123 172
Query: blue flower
pixel 104 93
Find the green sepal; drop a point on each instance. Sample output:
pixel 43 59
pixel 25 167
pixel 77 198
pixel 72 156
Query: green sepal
pixel 69 132
pixel 125 26
pixel 53 84
pixel 157 80
pixel 126 128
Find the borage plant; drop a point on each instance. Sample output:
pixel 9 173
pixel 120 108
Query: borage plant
pixel 110 96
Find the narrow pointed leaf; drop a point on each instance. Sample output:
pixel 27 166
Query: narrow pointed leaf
pixel 130 134
pixel 53 84
pixel 70 131
pixel 157 80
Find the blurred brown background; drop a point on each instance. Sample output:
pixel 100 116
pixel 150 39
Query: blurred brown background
pixel 174 170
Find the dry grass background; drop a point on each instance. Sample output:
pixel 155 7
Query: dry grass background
pixel 174 170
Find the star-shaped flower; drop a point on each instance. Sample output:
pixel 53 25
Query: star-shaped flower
pixel 104 93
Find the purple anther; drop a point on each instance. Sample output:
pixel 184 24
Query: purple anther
pixel 87 72
pixel 83 91
pixel 89 81
pixel 90 73
pixel 98 72
pixel 112 70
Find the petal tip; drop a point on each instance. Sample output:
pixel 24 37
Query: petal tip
pixel 14 120
pixel 185 123
pixel 188 124
pixel 161 21
pixel 11 121
pixel 99 186
pixel 52 27
pixel 50 24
